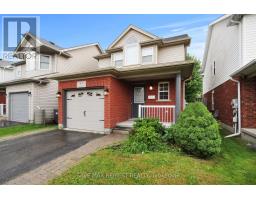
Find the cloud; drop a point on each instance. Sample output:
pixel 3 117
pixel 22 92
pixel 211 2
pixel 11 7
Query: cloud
pixel 182 23
pixel 191 31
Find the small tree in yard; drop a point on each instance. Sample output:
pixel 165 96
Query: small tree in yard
pixel 195 85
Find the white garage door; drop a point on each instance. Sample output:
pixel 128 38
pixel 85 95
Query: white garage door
pixel 85 110
pixel 19 107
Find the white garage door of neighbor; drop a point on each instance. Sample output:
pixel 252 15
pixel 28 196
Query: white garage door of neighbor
pixel 85 110
pixel 19 107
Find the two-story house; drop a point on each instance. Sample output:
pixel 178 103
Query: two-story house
pixel 138 75
pixel 229 69
pixel 29 90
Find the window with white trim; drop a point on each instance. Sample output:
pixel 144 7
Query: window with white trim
pixel 163 91
pixel 45 62
pixel 147 55
pixel 30 61
pixel 132 54
pixel 117 59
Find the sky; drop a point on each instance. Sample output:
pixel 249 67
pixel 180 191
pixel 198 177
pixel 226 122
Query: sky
pixel 71 30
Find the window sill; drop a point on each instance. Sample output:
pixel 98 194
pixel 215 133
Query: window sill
pixel 163 100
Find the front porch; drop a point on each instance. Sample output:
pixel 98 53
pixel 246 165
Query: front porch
pixel 165 114
pixel 160 96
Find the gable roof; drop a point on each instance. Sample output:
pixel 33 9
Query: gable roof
pixel 41 42
pixel 132 27
pixel 162 42
pixel 53 46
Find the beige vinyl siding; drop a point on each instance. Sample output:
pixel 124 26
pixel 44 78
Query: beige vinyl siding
pixel 171 54
pixel 45 98
pixel 224 50
pixel 27 87
pixel 82 59
pixel 249 38
pixel 6 74
pixel 105 62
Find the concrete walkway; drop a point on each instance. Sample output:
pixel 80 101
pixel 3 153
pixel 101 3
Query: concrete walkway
pixel 50 170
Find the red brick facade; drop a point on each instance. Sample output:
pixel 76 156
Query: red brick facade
pixel 2 98
pixel 224 93
pixel 118 103
pixel 248 103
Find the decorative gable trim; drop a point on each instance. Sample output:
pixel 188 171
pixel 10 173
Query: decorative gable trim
pixel 127 30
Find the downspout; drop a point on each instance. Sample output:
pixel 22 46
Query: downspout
pixel 238 132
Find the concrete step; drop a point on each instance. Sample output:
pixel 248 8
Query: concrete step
pixel 249 135
pixel 122 130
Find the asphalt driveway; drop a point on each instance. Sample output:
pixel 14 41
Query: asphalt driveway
pixel 23 154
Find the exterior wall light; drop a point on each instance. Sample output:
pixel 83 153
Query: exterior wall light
pixel 58 94
pixel 106 92
pixel 150 87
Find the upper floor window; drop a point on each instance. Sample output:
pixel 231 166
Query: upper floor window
pixel 132 54
pixel 117 59
pixel 214 68
pixel 163 91
pixel 147 55
pixel 30 61
pixel 44 62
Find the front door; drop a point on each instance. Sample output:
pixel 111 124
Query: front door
pixel 138 99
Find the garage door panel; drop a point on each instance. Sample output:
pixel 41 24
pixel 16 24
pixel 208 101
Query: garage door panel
pixel 19 107
pixel 85 110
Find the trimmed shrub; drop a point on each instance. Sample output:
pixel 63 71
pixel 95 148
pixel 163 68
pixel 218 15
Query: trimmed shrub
pixel 196 131
pixel 149 122
pixel 145 137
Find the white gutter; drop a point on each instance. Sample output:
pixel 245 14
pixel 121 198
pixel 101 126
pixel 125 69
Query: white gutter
pixel 238 132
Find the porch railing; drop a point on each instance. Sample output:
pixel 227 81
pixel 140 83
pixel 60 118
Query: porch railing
pixel 165 113
pixel 2 109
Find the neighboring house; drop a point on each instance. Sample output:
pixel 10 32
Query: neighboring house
pixel 6 73
pixel 229 69
pixel 139 75
pixel 30 91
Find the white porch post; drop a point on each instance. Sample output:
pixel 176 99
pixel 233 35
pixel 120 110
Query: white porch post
pixel 178 95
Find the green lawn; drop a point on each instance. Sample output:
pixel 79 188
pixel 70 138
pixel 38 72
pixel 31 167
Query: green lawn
pixel 18 129
pixel 235 165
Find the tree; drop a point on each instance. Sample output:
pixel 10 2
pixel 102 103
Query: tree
pixel 194 86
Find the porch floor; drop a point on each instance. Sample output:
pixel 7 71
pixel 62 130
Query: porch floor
pixel 129 124
pixel 126 124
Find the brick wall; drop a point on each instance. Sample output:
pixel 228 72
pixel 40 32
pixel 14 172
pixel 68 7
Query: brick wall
pixel 120 94
pixel 2 98
pixel 223 94
pixel 248 103
pixel 117 104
